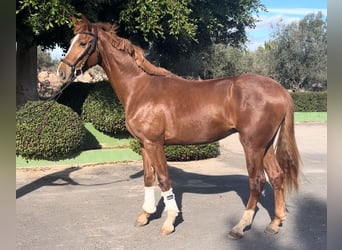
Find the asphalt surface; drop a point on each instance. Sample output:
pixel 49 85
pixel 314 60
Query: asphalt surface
pixel 94 207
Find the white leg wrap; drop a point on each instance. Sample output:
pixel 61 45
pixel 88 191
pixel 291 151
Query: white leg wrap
pixel 246 220
pixel 149 205
pixel 170 201
pixel 247 217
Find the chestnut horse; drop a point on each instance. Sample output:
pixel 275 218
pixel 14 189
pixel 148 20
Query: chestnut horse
pixel 162 108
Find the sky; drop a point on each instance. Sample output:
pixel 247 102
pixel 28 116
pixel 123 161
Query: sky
pixel 286 10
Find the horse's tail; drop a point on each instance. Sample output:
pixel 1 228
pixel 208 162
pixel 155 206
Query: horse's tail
pixel 287 152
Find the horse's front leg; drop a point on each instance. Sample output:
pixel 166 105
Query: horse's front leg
pixel 155 161
pixel 149 206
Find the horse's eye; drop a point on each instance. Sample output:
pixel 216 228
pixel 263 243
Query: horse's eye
pixel 83 44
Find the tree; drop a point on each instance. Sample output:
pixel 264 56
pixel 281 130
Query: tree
pixel 170 28
pixel 261 60
pixel 222 61
pixel 300 52
pixel 217 22
pixel 44 60
pixel 35 23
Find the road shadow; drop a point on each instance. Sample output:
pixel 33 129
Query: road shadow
pixel 49 180
pixel 308 229
pixel 189 182
pixel 309 214
pixel 59 178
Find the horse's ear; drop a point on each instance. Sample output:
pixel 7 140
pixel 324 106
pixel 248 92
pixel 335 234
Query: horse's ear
pixel 74 20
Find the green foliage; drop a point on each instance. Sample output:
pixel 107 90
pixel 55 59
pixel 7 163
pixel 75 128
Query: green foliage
pixel 296 57
pixel 103 109
pixel 300 53
pixel 171 27
pixel 45 15
pixel 225 21
pixel 157 18
pixel 217 61
pixel 217 21
pixel 185 153
pixel 48 130
pixel 222 61
pixel 310 101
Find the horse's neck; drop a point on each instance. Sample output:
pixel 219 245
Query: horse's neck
pixel 122 73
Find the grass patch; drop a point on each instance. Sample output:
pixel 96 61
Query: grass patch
pixel 96 139
pixel 310 116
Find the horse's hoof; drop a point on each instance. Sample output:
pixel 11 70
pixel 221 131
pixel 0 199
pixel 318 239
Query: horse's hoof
pixel 271 229
pixel 166 230
pixel 234 235
pixel 140 223
pixel 142 219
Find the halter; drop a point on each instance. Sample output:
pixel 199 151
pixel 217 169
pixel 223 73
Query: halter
pixel 85 55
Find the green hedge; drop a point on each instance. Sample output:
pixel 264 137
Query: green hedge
pixel 310 101
pixel 103 109
pixel 184 153
pixel 48 130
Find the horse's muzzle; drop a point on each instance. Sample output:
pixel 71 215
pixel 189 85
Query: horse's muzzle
pixel 64 73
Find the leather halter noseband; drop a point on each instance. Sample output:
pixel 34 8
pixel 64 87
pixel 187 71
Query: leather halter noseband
pixel 85 55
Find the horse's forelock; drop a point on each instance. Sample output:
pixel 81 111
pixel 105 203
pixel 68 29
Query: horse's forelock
pixel 113 28
pixel 83 26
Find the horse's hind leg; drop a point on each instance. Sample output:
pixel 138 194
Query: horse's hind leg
pixel 257 179
pixel 276 177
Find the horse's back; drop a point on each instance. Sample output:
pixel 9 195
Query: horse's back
pixel 254 83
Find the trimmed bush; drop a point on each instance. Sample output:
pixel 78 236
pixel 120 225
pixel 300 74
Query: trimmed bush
pixel 310 101
pixel 184 153
pixel 103 109
pixel 48 130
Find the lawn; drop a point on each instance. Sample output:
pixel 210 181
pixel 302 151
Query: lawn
pixel 101 148
pixel 310 116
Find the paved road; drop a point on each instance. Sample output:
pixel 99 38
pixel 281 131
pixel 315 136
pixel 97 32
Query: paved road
pixel 95 207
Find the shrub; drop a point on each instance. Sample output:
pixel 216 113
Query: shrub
pixel 310 101
pixel 103 109
pixel 48 130
pixel 184 153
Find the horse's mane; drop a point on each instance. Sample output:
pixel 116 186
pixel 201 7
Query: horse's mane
pixel 134 51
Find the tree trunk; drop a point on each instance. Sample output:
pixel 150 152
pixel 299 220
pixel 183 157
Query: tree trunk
pixel 26 82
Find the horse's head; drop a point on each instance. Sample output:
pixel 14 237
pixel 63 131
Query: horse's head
pixel 83 52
